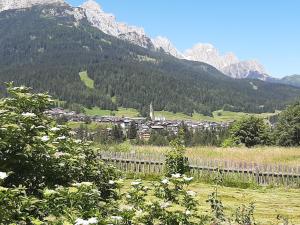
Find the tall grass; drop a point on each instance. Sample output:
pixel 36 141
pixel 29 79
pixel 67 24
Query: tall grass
pixel 260 155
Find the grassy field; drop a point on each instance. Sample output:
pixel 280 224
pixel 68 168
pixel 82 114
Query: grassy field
pixel 261 155
pixel 122 112
pixel 218 116
pixel 269 202
pixel 91 126
pixel 86 79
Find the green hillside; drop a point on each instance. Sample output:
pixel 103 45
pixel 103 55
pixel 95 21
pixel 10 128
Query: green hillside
pixel 291 80
pixel 46 48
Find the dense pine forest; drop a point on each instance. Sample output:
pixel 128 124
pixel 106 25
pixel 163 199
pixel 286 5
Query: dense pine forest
pixel 46 48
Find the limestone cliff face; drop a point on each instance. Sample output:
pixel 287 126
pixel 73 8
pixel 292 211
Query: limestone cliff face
pixel 21 4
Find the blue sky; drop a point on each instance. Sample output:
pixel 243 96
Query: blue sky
pixel 266 30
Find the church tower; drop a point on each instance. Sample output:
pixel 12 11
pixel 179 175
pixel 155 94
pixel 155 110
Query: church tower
pixel 152 116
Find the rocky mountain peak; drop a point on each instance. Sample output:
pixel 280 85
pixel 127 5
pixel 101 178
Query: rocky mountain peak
pixel 21 4
pixel 246 69
pixel 166 45
pixel 91 5
pixel 108 24
pixel 209 54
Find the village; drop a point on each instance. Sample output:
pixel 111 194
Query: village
pixel 145 126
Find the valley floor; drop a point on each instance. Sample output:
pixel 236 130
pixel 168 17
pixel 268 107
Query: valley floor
pixel 218 116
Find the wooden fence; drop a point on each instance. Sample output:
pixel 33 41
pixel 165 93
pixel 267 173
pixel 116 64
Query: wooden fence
pixel 153 163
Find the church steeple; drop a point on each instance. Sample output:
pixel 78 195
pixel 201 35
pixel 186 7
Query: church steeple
pixel 152 116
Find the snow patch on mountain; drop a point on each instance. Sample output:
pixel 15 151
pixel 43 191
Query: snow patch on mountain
pixel 21 4
pixel 107 23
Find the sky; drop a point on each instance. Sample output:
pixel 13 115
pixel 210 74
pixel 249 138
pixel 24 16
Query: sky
pixel 264 30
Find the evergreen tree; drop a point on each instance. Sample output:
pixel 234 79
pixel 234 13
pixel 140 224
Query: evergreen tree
pixel 187 134
pixel 117 133
pixel 132 132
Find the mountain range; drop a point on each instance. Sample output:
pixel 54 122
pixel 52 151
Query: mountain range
pixel 45 44
pixel 228 63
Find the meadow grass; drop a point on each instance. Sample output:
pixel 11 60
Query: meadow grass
pixel 269 202
pixel 218 116
pixel 86 79
pixel 91 126
pixel 260 155
pixel 121 112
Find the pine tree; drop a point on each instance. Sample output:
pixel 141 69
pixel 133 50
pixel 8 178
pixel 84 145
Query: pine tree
pixel 132 132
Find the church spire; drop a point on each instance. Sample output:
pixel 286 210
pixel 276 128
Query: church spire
pixel 152 116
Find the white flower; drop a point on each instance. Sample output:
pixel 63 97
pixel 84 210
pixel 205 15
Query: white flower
pixel 72 133
pixel 54 129
pixel 59 154
pixel 165 205
pixel 117 218
pixel 135 183
pixel 77 141
pixel 61 138
pixel 28 114
pixel 3 175
pixel 139 213
pixel 188 178
pixel 40 127
pixel 128 196
pixel 82 184
pixel 188 212
pixel 111 182
pixel 45 139
pixel 165 181
pixel 80 221
pixel 126 208
pixel 177 175
pixel 191 193
pixel 92 220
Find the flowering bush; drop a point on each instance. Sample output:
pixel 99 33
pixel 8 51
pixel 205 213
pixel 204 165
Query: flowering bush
pixel 173 203
pixel 39 153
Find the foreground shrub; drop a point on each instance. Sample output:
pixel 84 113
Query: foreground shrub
pixel 38 153
pixel 82 203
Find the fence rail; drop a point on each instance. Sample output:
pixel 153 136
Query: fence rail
pixel 264 174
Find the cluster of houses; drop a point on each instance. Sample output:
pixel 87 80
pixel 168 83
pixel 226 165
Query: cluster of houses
pixel 144 126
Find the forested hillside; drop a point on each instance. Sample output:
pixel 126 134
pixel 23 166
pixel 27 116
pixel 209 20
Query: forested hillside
pixel 45 47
